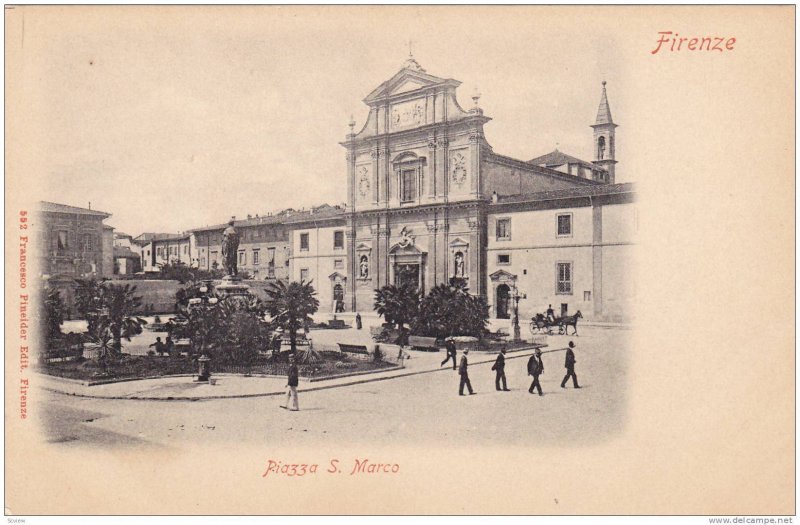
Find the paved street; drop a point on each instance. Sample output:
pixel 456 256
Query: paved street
pixel 403 410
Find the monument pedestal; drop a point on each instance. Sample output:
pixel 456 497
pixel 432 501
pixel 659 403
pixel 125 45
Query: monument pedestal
pixel 232 286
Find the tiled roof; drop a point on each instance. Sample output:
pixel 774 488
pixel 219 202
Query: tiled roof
pixel 556 158
pixel 288 216
pixel 569 193
pixel 149 237
pixel 63 208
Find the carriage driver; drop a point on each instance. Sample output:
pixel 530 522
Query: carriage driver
pixel 550 314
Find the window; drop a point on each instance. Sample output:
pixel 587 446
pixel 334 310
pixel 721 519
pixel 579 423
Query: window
pixel 255 256
pixel 304 241
pixel 338 240
pixel 242 258
pixel 185 249
pixel 213 257
pixel 564 225
pixel 587 296
pixel 271 263
pixel 62 240
pixel 601 148
pixel 202 261
pixel 304 274
pixel 408 185
pixel 503 229
pixel 86 242
pixel 338 264
pixel 503 258
pixel 564 278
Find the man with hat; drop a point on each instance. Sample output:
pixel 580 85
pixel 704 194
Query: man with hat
pixel 462 371
pixel 291 386
pixel 450 346
pixel 535 369
pixel 569 364
pixel 500 371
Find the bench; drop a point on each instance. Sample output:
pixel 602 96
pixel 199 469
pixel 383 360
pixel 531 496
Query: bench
pixel 423 343
pixel 353 349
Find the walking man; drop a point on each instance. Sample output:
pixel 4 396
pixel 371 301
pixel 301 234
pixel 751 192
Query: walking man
pixel 450 346
pixel 535 369
pixel 500 371
pixel 291 386
pixel 569 364
pixel 358 321
pixel 462 371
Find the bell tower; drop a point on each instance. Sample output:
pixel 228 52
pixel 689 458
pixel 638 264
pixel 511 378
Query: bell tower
pixel 604 135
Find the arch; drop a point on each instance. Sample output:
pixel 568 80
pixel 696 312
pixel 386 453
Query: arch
pixel 406 156
pixel 601 147
pixel 458 265
pixel 363 267
pixel 338 292
pixel 503 300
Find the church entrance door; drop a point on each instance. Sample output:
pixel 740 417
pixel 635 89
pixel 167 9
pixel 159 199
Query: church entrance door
pixel 503 296
pixel 406 274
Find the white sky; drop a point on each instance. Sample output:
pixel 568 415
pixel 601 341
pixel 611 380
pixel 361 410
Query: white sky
pixel 171 122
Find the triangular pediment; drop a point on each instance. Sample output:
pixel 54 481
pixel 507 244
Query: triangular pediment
pixel 405 81
pixel 458 242
pixel 336 276
pixel 409 249
pixel 502 276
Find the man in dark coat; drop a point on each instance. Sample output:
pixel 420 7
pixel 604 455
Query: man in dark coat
pixel 358 321
pixel 462 371
pixel 535 369
pixel 500 371
pixel 450 346
pixel 569 364
pixel 291 385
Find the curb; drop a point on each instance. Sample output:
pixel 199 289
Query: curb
pixel 281 392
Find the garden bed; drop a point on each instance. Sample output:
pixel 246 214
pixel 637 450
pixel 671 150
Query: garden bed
pixel 141 367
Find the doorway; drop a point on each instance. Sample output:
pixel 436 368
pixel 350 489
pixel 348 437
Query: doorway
pixel 503 297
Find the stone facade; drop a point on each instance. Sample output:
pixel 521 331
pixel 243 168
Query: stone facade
pixel 72 242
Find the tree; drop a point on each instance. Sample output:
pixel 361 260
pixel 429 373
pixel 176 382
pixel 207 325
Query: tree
pixel 89 300
pixel 397 304
pixel 54 309
pixel 291 306
pixel 109 307
pixel 120 305
pixel 450 310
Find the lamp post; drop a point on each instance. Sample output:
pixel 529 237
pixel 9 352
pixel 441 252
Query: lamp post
pixel 516 297
pixel 205 301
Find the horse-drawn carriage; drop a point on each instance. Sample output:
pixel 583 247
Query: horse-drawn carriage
pixel 542 324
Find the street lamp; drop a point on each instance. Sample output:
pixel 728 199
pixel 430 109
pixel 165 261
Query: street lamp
pixel 205 301
pixel 516 297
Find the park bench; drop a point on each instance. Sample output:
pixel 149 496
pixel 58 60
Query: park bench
pixel 353 349
pixel 427 344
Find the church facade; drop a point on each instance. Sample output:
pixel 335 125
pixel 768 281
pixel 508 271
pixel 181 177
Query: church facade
pixel 428 199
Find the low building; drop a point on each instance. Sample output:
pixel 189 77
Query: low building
pixel 73 242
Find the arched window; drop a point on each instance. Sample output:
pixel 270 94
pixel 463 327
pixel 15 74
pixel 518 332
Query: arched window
pixel 611 147
pixel 601 148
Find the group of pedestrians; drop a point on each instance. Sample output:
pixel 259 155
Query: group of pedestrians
pixel 535 369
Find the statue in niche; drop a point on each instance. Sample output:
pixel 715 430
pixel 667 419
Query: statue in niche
pixel 364 267
pixel 459 265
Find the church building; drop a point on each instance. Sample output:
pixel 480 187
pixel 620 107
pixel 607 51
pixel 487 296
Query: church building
pixel 428 199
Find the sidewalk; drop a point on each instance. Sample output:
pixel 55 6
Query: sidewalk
pixel 182 388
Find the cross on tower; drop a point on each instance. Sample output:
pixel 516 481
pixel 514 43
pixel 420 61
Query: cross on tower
pixel 410 48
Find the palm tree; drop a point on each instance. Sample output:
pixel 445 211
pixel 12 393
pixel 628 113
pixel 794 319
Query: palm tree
pixel 397 304
pixel 291 307
pixel 54 309
pixel 89 300
pixel 119 307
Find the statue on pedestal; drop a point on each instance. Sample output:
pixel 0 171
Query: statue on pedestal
pixel 230 250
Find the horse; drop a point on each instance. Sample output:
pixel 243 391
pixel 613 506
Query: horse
pixel 569 320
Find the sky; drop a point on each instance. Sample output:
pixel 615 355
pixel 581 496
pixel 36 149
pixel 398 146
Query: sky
pixel 176 118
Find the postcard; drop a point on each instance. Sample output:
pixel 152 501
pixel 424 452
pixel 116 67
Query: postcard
pixel 278 260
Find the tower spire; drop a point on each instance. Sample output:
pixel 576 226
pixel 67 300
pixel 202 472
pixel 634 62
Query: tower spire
pixel 605 155
pixel 604 110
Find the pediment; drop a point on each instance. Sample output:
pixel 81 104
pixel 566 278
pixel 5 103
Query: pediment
pixel 409 249
pixel 458 242
pixel 337 277
pixel 363 247
pixel 405 81
pixel 502 276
